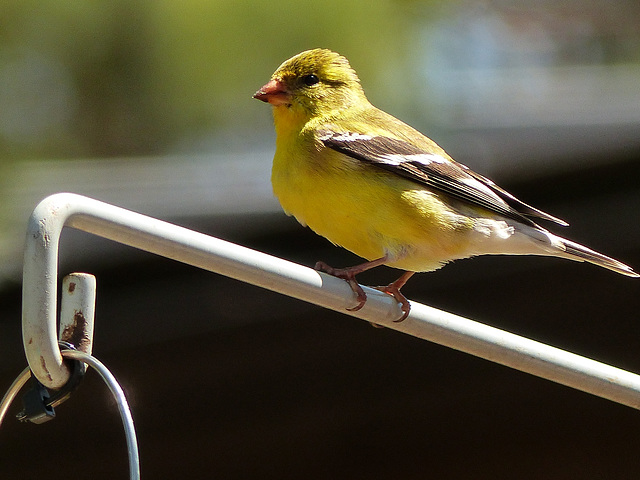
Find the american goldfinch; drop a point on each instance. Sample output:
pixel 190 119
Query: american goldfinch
pixel 374 185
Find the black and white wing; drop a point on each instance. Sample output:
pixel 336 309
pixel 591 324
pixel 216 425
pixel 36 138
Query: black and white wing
pixel 433 171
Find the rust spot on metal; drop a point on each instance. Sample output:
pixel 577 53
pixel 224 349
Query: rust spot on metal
pixel 76 333
pixel 43 364
pixel 72 286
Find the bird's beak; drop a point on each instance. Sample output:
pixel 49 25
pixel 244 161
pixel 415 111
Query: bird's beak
pixel 274 92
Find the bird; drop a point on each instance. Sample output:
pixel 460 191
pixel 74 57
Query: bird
pixel 374 185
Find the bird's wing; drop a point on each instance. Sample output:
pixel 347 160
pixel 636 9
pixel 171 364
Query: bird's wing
pixel 433 171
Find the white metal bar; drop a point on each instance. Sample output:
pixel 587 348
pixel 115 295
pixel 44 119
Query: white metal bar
pixel 124 226
pixel 77 309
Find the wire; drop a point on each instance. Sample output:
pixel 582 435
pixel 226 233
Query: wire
pixel 15 387
pixel 116 390
pixel 123 407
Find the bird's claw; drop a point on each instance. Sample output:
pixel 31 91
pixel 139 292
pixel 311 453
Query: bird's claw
pixel 350 277
pixel 393 290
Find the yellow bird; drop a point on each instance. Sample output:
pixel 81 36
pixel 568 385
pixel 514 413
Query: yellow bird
pixel 379 188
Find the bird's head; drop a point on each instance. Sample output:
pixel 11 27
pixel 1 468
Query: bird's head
pixel 313 82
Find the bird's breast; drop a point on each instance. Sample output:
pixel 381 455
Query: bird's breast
pixel 366 210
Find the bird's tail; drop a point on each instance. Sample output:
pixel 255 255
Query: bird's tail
pixel 575 251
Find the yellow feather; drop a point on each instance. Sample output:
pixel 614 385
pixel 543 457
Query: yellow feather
pixel 370 211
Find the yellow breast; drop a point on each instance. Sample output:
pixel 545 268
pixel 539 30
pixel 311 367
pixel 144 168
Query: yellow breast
pixel 368 211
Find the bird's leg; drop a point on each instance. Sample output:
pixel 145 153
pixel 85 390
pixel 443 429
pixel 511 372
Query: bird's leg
pixel 394 290
pixel 349 274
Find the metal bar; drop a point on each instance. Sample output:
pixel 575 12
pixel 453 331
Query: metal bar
pixel 152 235
pixel 77 308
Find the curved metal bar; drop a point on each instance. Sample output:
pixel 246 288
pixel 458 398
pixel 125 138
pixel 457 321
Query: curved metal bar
pixel 209 253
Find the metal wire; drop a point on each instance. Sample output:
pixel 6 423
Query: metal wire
pixel 13 390
pixel 116 390
pixel 123 407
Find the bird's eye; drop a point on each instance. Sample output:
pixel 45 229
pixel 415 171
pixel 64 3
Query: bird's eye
pixel 310 80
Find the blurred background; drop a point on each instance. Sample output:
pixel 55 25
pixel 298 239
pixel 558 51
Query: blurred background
pixel 147 105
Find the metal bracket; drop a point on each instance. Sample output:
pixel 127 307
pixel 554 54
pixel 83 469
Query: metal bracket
pixel 209 253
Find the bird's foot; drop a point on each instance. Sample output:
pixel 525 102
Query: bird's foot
pixel 348 274
pixel 394 290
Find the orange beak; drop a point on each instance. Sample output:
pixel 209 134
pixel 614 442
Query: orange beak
pixel 273 92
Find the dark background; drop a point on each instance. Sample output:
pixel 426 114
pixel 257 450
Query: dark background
pixel 228 380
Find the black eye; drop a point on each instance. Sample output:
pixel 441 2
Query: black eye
pixel 310 80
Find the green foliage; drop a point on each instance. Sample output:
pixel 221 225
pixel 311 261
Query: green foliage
pixel 137 77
